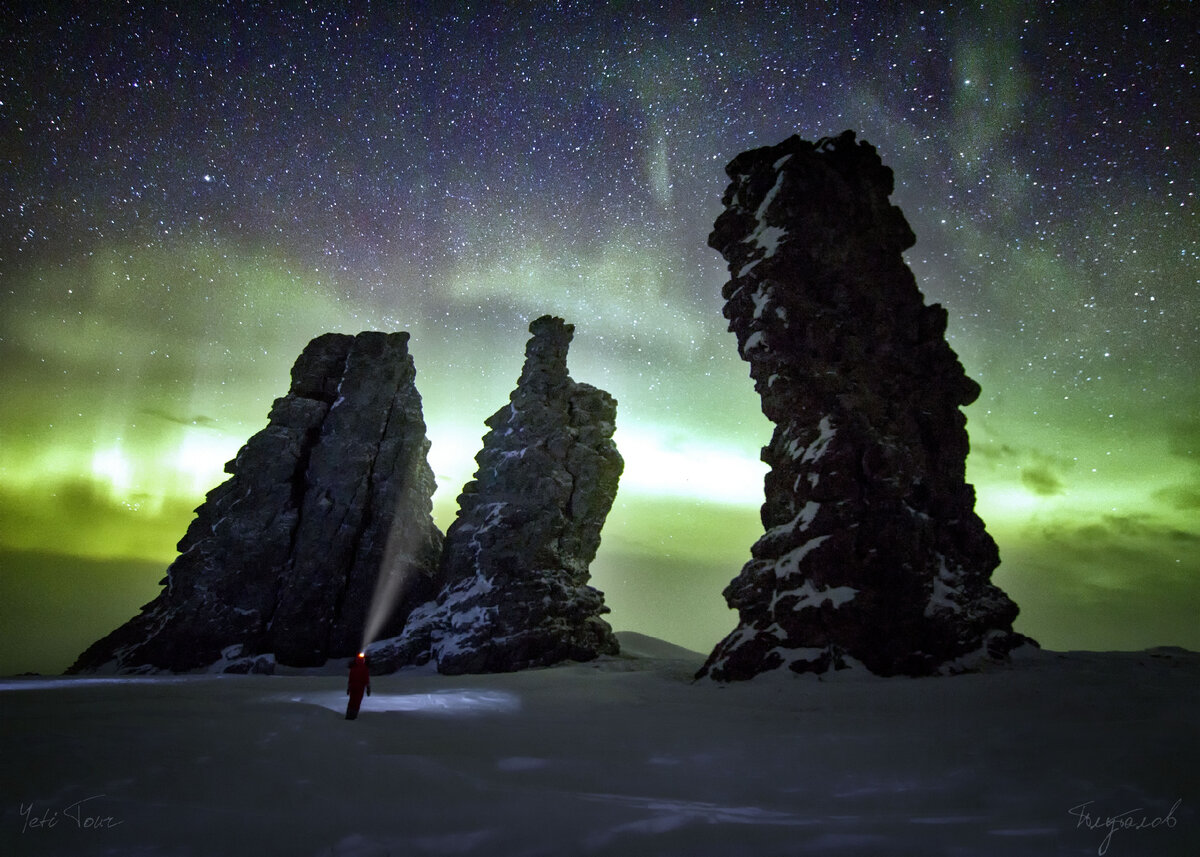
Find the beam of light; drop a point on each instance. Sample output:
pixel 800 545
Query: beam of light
pixel 38 683
pixel 446 702
pixel 401 557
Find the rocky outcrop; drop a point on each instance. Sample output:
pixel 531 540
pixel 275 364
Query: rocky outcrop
pixel 283 557
pixel 516 559
pixel 872 554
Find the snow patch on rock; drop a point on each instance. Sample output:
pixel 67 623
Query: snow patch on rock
pixel 789 563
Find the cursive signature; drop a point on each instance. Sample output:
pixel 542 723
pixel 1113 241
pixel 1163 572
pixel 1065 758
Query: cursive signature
pixel 1130 819
pixel 72 815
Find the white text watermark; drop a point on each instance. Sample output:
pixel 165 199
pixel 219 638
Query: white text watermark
pixel 80 815
pixel 1131 820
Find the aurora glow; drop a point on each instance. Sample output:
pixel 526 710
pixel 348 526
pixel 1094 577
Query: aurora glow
pixel 189 197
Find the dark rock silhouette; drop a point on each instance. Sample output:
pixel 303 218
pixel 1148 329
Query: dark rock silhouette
pixel 516 559
pixel 283 557
pixel 872 551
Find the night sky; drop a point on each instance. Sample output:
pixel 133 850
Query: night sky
pixel 188 197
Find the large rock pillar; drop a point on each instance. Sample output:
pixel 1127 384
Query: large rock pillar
pixel 873 553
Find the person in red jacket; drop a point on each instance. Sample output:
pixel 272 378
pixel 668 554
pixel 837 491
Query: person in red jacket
pixel 360 681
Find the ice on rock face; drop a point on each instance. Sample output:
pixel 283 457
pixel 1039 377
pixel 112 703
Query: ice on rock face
pixel 761 297
pixel 810 596
pixel 812 452
pixel 945 595
pixel 789 563
pixel 813 480
pixel 767 238
pixel 747 268
pixel 791 656
pixel 469 589
pixel 806 515
pixel 817 448
pixel 493 513
pixel 764 238
pixel 763 207
pixel 802 521
pixel 741 637
pixel 467 619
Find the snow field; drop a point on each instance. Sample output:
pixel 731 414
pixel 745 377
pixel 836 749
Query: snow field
pixel 623 756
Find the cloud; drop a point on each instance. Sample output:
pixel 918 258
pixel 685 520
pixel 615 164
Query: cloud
pixel 615 287
pixel 1115 582
pixel 1183 498
pixel 1041 473
pixel 199 420
pixel 1133 527
pixel 81 516
pixel 1041 480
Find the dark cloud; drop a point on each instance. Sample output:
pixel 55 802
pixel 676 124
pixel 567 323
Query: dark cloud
pixel 1135 532
pixel 991 451
pixel 1125 582
pixel 1041 481
pixel 1183 498
pixel 199 420
pixel 80 516
pixel 1040 472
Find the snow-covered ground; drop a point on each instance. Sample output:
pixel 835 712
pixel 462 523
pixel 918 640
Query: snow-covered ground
pixel 624 756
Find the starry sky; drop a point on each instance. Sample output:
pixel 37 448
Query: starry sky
pixel 191 192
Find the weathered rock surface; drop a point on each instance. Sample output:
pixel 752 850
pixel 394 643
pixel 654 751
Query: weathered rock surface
pixel 516 559
pixel 872 553
pixel 283 557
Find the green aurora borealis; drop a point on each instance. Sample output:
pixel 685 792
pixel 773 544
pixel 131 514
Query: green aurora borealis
pixel 180 218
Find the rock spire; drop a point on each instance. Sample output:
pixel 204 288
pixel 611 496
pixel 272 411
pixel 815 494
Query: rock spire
pixel 516 559
pixel 872 554
pixel 283 557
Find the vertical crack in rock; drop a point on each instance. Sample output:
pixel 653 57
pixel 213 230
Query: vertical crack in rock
pixel 872 553
pixel 516 558
pixel 282 558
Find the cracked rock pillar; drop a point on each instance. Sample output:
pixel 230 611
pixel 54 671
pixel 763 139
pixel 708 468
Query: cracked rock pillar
pixel 282 558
